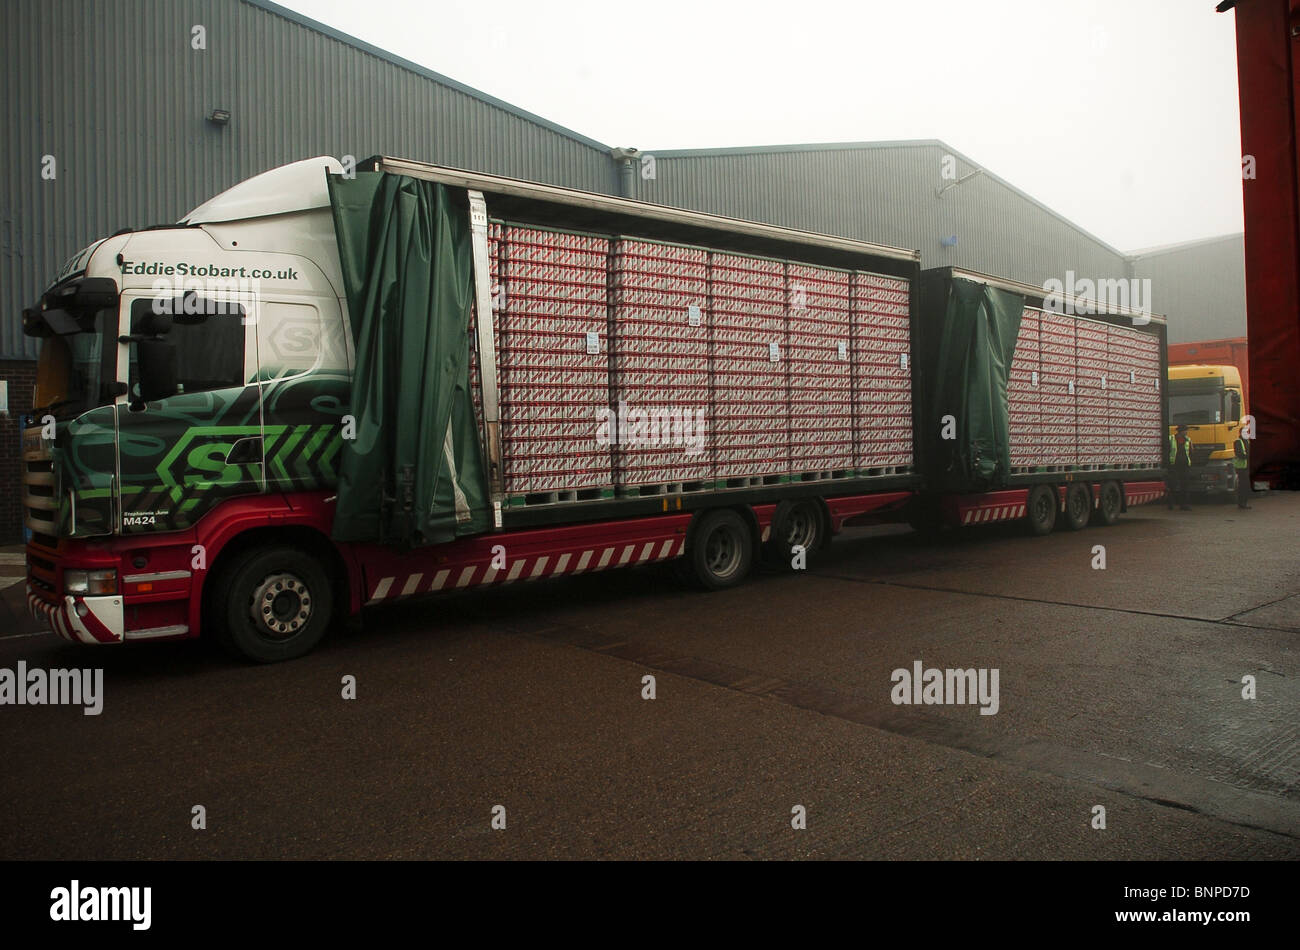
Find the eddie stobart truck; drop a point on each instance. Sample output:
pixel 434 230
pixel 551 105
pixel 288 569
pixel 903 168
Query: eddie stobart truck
pixel 320 391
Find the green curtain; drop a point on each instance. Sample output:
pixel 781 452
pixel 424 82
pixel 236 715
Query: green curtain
pixel 976 344
pixel 414 473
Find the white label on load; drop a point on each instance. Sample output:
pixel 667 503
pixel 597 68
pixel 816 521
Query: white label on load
pixel 693 317
pixel 843 349
pixel 1132 376
pixel 496 514
pixel 1155 384
pixel 1103 383
pixel 593 343
pixel 1035 377
pixel 1071 387
pixel 774 352
pixel 902 360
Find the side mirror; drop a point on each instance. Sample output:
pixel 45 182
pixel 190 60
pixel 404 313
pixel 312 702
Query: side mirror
pixel 1234 406
pixel 157 362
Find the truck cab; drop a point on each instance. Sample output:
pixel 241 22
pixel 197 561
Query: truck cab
pixel 181 366
pixel 1210 401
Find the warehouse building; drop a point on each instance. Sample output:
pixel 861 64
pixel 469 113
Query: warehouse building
pixel 132 113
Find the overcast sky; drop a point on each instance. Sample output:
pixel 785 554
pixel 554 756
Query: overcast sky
pixel 1120 114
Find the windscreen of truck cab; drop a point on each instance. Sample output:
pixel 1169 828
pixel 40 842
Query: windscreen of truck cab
pixel 75 371
pixel 1198 401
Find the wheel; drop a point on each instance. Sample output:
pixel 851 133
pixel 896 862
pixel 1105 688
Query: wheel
pixel 794 523
pixel 722 549
pixel 273 604
pixel 1108 508
pixel 1078 506
pixel 1040 509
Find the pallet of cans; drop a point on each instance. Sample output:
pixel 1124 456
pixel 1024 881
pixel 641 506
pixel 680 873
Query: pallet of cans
pixel 1135 396
pixel 1023 416
pixel 749 368
pixel 1058 414
pixel 1094 447
pixel 820 371
pixel 660 366
pixel 882 373
pixel 554 368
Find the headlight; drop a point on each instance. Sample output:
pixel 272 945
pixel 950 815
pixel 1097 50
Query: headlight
pixel 90 582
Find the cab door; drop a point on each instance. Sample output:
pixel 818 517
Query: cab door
pixel 195 443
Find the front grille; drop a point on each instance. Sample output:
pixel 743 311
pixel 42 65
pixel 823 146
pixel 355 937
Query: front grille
pixel 1201 453
pixel 40 506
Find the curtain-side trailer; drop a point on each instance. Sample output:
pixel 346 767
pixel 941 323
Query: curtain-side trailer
pixel 320 392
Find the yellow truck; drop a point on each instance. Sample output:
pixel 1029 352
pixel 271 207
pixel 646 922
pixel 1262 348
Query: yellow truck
pixel 1211 402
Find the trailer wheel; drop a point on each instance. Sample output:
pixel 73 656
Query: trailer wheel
pixel 794 523
pixel 273 604
pixel 722 549
pixel 1078 506
pixel 1111 503
pixel 1040 509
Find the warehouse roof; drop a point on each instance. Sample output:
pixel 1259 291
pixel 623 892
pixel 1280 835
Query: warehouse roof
pixel 423 71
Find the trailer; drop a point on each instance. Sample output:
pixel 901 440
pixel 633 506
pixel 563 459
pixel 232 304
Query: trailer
pixel 321 392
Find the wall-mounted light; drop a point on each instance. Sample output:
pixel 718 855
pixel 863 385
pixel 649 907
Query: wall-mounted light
pixel 219 116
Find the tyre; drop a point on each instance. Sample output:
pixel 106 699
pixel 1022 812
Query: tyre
pixel 273 604
pixel 1040 509
pixel 1078 506
pixel 1109 505
pixel 794 523
pixel 722 549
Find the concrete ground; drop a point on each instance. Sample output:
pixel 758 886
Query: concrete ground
pixel 1119 688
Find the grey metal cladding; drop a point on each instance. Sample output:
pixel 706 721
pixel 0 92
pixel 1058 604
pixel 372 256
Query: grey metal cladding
pixel 886 192
pixel 1200 284
pixel 117 95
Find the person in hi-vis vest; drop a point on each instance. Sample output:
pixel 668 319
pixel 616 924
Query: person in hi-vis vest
pixel 1241 465
pixel 1180 468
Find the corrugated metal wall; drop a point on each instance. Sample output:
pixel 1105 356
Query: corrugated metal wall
pixel 117 95
pixel 1200 285
pixel 887 193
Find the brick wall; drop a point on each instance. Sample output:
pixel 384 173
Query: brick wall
pixel 21 376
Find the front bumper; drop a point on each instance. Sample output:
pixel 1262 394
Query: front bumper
pixel 81 619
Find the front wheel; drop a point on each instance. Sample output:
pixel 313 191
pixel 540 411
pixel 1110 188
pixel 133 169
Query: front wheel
pixel 274 604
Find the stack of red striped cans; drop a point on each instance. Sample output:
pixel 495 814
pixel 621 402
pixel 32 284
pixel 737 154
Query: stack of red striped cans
pixel 882 372
pixel 1091 383
pixel 821 379
pixel 660 364
pixel 1023 393
pixel 750 421
pixel 1135 396
pixel 1057 412
pixel 554 370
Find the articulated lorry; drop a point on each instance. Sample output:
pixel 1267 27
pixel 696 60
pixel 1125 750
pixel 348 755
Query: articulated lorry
pixel 1209 393
pixel 319 392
